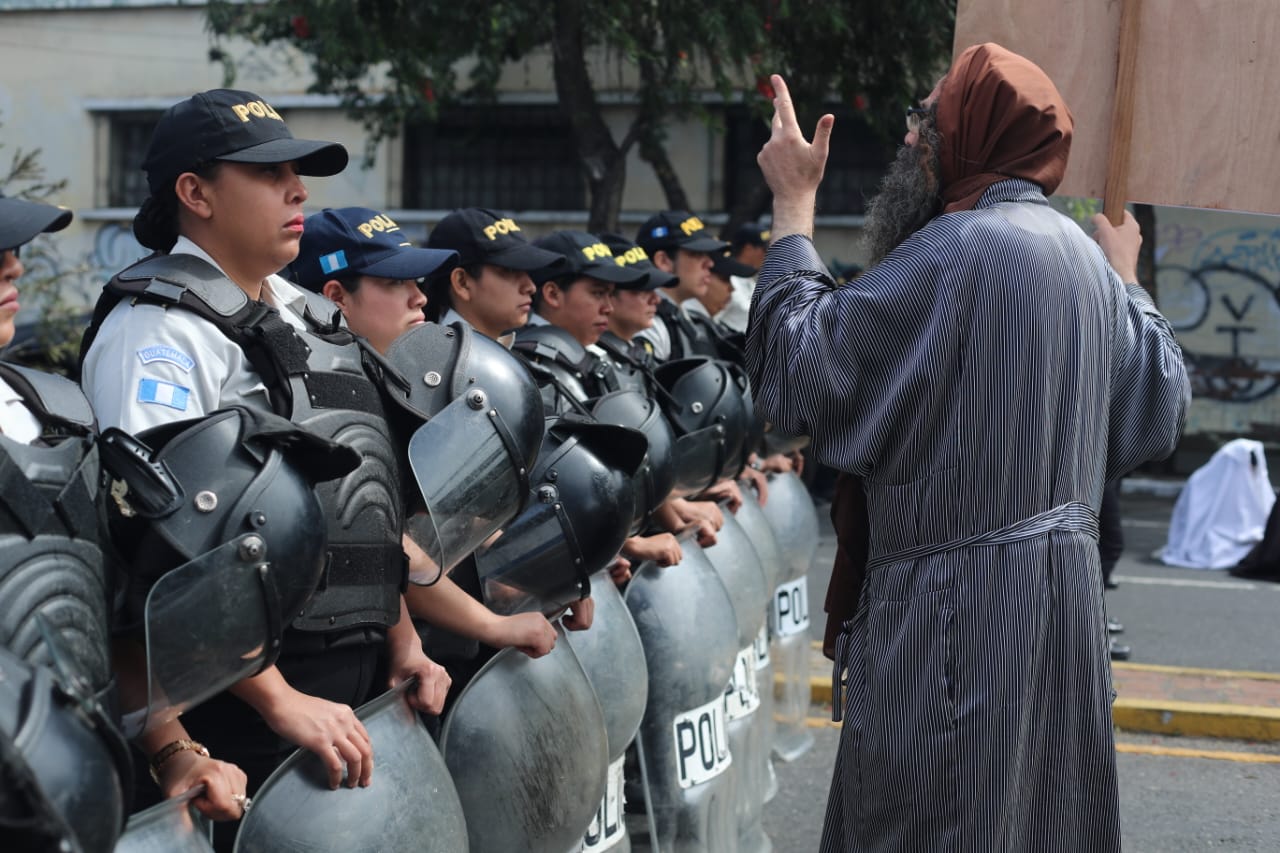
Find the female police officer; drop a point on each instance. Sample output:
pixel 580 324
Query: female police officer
pixel 204 324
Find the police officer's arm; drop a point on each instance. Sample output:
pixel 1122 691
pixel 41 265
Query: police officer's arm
pixel 581 614
pixel 407 660
pixel 148 366
pixel 446 605
pixel 675 514
pixel 329 729
pixel 188 768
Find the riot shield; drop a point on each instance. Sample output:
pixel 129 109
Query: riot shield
pixel 613 657
pixel 794 521
pixel 527 745
pixel 411 803
pixel 170 826
pixel 752 518
pixel 734 558
pixel 468 477
pixel 687 623
pixel 208 624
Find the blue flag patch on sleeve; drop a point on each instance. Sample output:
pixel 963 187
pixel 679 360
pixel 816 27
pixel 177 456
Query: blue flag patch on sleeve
pixel 163 394
pixel 168 355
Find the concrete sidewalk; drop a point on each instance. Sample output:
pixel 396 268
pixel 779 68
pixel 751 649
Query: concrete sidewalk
pixel 1152 699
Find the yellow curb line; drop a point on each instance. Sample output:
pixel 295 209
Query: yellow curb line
pixel 1193 671
pixel 1214 754
pixel 1166 717
pixel 1197 719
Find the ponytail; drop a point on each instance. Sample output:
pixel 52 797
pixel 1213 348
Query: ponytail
pixel 156 225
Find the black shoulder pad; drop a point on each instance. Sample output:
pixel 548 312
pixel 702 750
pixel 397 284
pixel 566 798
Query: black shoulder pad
pixel 164 278
pixel 52 399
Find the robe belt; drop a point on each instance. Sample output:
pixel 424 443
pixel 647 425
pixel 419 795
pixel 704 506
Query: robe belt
pixel 1071 516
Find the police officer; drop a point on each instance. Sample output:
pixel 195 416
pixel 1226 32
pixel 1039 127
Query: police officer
pixel 490 286
pixel 359 259
pixel 46 435
pixel 679 244
pixel 204 324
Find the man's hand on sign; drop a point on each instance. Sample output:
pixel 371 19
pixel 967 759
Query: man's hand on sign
pixel 1120 244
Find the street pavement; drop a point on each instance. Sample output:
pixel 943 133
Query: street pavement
pixel 1204 662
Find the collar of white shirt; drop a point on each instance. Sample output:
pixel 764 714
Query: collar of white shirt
pixel 276 291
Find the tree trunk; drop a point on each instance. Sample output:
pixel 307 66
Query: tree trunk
pixel 1146 216
pixel 602 160
pixel 653 152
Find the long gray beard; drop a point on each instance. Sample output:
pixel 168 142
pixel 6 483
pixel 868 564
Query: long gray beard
pixel 908 198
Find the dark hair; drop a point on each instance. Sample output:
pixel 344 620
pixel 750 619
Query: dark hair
pixel 156 223
pixel 439 290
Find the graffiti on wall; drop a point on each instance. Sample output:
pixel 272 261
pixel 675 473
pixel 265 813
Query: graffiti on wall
pixel 1221 292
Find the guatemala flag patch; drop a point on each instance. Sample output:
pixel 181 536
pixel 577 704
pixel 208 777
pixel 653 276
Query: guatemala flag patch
pixel 163 394
pixel 330 264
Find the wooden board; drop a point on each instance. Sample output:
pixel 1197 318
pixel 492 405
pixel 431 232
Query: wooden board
pixel 1205 133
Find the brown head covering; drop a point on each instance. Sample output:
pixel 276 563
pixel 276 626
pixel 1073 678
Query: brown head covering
pixel 1000 117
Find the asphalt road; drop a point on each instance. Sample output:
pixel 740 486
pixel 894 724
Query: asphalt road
pixel 1168 803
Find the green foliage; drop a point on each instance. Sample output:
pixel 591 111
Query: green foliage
pixel 873 56
pixel 1081 209
pixel 46 282
pixel 396 61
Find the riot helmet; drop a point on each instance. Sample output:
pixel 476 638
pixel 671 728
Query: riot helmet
pixel 709 403
pixel 580 511
pixel 221 541
pixel 64 770
pixel 657 474
pixel 471 418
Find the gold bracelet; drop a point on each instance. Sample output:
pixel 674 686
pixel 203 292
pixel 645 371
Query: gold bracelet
pixel 169 750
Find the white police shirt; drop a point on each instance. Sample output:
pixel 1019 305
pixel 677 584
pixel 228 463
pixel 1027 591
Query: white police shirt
pixel 736 314
pixel 149 365
pixel 16 421
pixel 657 335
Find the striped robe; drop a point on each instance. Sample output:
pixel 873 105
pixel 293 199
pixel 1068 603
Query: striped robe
pixel 984 379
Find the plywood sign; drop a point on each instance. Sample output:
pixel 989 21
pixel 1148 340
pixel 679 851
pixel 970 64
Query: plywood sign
pixel 1206 132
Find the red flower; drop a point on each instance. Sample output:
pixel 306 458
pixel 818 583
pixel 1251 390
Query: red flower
pixel 859 102
pixel 301 28
pixel 429 91
pixel 764 87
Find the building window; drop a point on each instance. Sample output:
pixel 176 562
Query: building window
pixel 128 135
pixel 857 161
pixel 497 156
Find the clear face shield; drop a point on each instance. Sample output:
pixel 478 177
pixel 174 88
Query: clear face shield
pixel 698 458
pixel 470 479
pixel 207 624
pixel 535 564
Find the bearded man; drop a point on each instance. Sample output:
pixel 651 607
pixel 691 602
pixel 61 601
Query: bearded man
pixel 984 379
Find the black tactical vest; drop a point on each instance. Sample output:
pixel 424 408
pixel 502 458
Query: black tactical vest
pixel 51 561
pixel 632 363
pixel 317 379
pixel 687 338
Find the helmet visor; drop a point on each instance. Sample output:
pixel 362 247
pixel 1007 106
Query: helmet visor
pixel 209 623
pixel 465 464
pixel 697 461
pixel 534 565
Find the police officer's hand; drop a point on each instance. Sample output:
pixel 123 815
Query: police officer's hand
pixel 580 614
pixel 661 548
pixel 725 490
pixel 620 570
pixel 758 481
pixel 694 511
pixel 531 633
pixel 433 681
pixel 329 729
pixel 706 535
pixel 224 784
